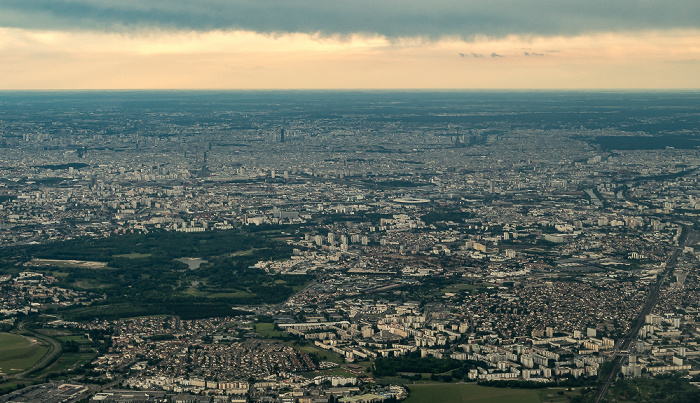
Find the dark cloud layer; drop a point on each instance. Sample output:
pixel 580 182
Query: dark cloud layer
pixel 393 18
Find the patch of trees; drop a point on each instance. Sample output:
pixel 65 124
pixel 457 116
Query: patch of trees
pixel 514 384
pixel 153 282
pixel 436 216
pixel 159 244
pixel 185 310
pixel 646 142
pixel 664 388
pixel 413 363
pixel 76 165
pixel 71 346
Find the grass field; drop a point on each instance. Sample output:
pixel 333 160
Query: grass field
pixel 90 284
pixel 68 361
pixel 7 387
pixel 268 331
pixel 83 264
pixel 235 294
pixel 248 252
pixel 558 395
pixel 77 338
pixel 18 353
pixel 123 310
pixel 331 372
pixel 135 255
pixel 467 393
pixel 53 332
pixel 473 289
pixel 393 380
pixel 460 287
pixel 324 355
pixel 339 372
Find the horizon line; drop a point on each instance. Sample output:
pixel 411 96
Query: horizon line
pixel 671 89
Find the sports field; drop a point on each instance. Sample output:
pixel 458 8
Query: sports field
pixel 18 353
pixel 466 393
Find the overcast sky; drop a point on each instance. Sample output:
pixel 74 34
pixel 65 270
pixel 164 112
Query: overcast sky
pixel 559 44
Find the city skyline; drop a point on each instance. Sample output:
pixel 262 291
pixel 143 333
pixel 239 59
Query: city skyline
pixel 349 246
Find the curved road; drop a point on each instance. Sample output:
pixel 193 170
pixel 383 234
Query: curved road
pixel 54 349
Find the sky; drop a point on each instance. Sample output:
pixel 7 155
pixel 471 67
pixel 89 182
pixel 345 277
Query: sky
pixel 349 44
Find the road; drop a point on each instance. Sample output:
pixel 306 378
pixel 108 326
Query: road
pixel 54 349
pixel 652 298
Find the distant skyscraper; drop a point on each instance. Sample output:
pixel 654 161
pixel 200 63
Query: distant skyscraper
pixel 281 135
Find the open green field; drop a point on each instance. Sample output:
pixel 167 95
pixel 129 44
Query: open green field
pixel 471 288
pixel 468 393
pixel 558 395
pixel 76 338
pixel 227 295
pixel 90 284
pixel 393 380
pixel 331 372
pixel 53 332
pixel 459 287
pixel 68 361
pixel 204 294
pixel 185 310
pixel 322 354
pixel 338 372
pixel 268 331
pixel 247 252
pixel 134 255
pixel 663 389
pixel 7 387
pixel 83 264
pixel 18 353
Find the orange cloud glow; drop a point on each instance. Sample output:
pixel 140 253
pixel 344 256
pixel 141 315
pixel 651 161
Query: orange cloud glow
pixel 246 60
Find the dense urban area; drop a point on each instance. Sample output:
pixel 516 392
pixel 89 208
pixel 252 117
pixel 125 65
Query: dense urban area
pixel 349 247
